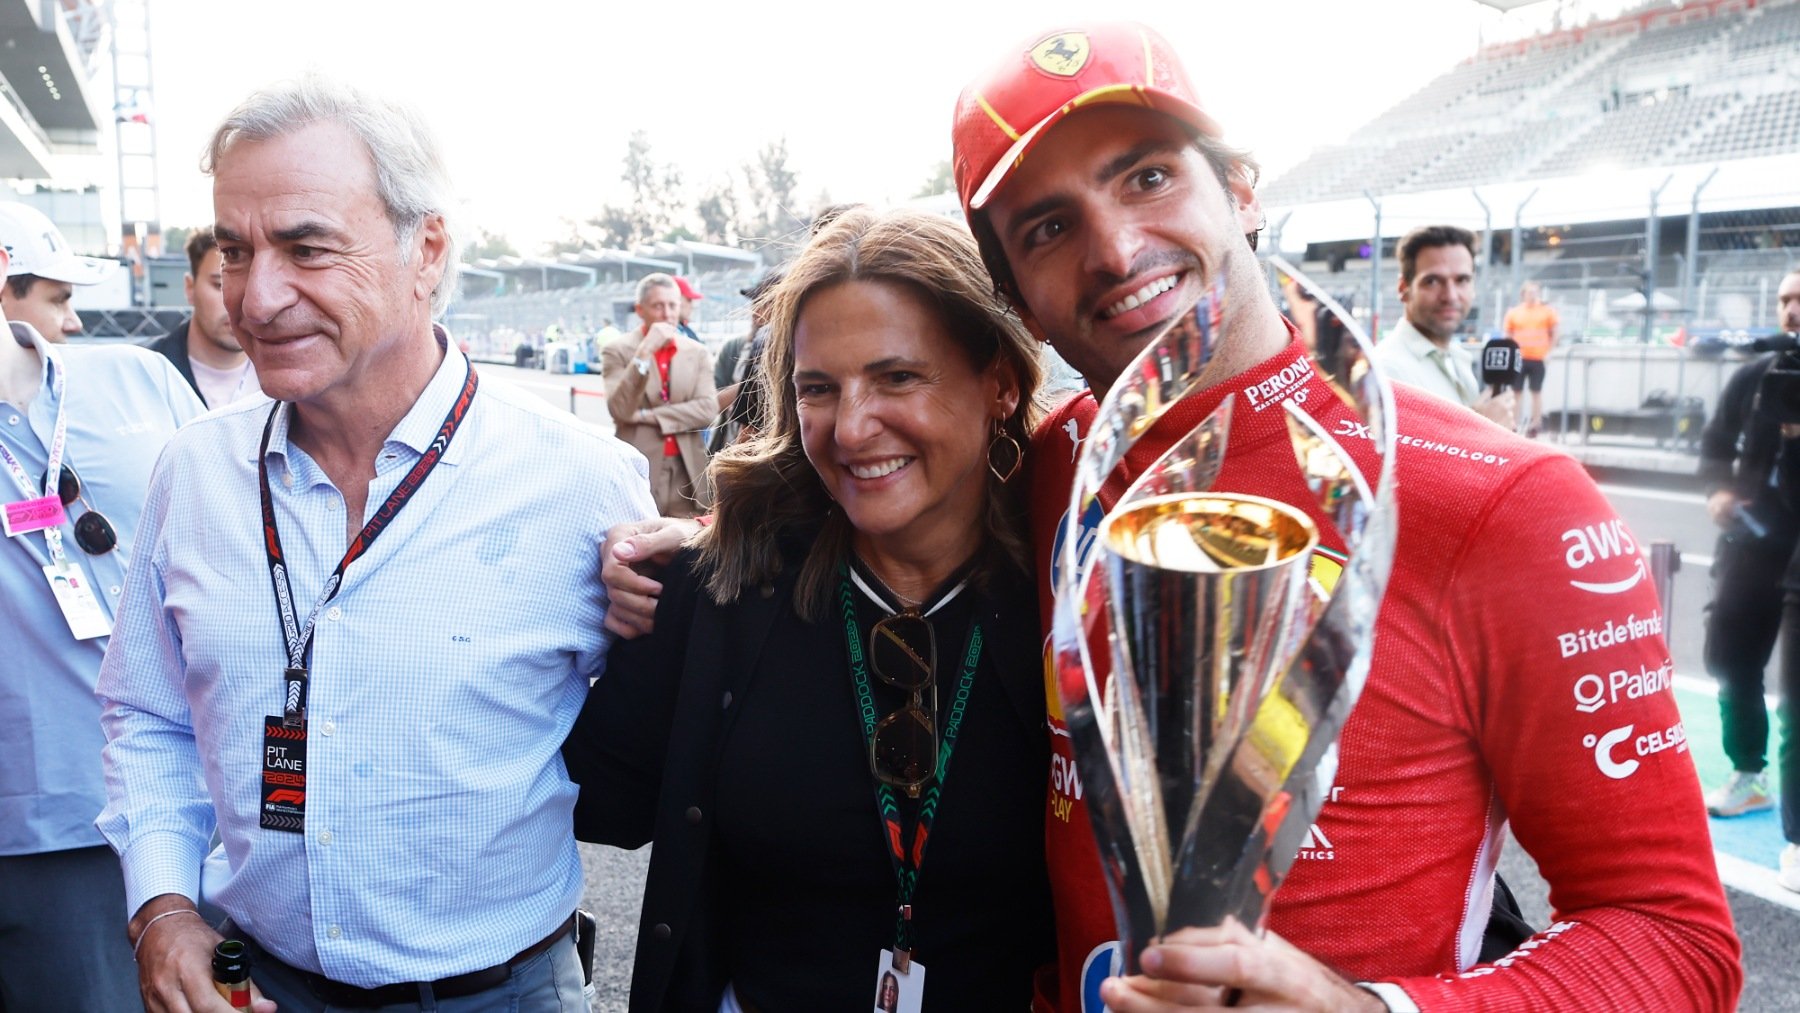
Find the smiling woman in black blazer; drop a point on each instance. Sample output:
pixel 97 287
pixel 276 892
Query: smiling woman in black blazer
pixel 836 735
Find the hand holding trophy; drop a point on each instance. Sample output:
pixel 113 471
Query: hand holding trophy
pixel 1205 667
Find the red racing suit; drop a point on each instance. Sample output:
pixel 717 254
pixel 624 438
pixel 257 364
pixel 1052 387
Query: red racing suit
pixel 1519 674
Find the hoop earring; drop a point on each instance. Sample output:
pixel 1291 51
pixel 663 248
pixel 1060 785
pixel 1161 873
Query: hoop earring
pixel 1004 454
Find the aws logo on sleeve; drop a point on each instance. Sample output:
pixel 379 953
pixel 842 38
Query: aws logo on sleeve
pixel 1610 549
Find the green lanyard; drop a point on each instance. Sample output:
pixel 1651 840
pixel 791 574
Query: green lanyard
pixel 906 860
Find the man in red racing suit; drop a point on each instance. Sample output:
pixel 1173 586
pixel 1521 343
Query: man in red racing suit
pixel 1488 699
pixel 1519 670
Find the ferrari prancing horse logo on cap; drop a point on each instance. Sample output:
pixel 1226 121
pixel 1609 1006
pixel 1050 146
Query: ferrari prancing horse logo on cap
pixel 1063 54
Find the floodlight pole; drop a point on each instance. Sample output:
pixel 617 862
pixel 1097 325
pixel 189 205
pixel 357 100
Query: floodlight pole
pixel 1692 268
pixel 1518 242
pixel 1650 251
pixel 1487 243
pixel 1374 272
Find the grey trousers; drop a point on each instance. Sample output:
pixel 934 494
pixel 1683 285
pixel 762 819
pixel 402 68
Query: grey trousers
pixel 62 934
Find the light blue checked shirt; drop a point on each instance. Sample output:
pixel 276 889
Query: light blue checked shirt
pixel 123 403
pixel 445 676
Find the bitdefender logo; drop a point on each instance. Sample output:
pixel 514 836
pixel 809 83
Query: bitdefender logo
pixel 1609 633
pixel 1600 543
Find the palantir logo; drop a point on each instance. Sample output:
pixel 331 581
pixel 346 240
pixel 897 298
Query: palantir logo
pixel 1595 543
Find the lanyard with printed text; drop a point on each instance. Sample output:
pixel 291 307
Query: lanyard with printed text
pixel 299 638
pixel 50 500
pixel 906 861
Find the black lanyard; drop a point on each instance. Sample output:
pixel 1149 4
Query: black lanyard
pixel 299 638
pixel 906 861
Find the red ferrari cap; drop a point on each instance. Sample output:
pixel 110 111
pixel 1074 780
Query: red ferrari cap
pixel 1004 111
pixel 688 291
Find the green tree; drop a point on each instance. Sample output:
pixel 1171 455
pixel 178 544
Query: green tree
pixel 174 241
pixel 574 239
pixel 657 203
pixel 772 217
pixel 619 228
pixel 718 213
pixel 488 245
pixel 940 180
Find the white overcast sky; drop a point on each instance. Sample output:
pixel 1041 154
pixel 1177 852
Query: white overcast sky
pixel 535 99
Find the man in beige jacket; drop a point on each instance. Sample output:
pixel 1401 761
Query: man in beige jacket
pixel 659 389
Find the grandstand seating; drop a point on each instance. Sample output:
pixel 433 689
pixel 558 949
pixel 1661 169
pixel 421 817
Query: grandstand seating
pixel 1485 156
pixel 1635 134
pixel 1707 82
pixel 1767 125
pixel 1442 91
pixel 1535 69
pixel 1777 28
pixel 1336 170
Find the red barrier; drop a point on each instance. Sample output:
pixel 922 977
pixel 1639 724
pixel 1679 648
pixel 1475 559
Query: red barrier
pixel 575 392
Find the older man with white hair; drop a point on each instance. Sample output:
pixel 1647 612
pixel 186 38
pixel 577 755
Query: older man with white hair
pixel 369 717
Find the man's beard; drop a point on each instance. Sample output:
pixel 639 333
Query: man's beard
pixel 222 339
pixel 1432 330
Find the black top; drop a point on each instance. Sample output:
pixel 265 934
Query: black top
pixel 173 346
pixel 791 894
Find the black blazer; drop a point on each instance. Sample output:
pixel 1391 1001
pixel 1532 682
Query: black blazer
pixel 645 752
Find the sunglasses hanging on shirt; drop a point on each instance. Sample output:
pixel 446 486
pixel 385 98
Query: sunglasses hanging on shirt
pixel 93 532
pixel 903 653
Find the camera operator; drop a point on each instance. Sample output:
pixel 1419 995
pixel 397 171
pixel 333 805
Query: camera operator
pixel 1750 458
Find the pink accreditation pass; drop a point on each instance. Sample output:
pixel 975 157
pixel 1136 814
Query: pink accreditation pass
pixel 30 515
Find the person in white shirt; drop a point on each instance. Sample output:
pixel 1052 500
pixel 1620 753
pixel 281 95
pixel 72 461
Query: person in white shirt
pixel 1437 289
pixel 204 350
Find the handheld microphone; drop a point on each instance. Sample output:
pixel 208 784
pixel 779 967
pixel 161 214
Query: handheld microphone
pixel 1502 364
pixel 1748 520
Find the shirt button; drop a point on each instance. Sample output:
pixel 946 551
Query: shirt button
pixel 113 590
pixel 12 420
pixel 325 838
pixel 693 814
pixel 334 932
pixel 725 703
pixel 287 479
pixel 334 613
pixel 662 931
pixel 328 727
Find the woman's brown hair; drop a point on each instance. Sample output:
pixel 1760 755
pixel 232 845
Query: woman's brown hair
pixel 766 489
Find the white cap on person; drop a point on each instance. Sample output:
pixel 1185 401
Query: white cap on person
pixel 34 245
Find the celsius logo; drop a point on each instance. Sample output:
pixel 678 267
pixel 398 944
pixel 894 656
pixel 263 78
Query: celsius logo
pixel 1673 737
pixel 1603 757
pixel 1609 539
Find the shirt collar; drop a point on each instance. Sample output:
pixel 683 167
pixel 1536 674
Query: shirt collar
pixel 47 352
pixel 1418 345
pixel 421 423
